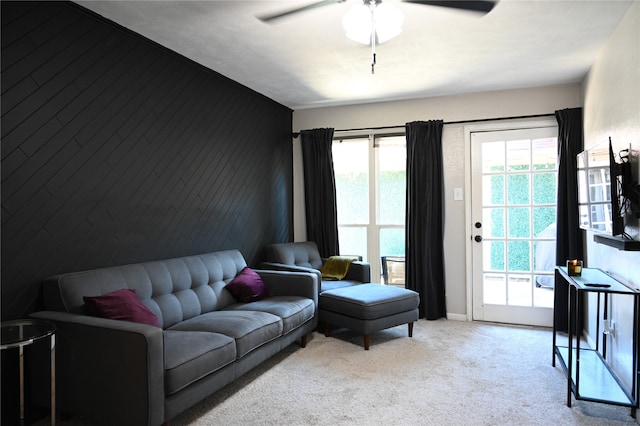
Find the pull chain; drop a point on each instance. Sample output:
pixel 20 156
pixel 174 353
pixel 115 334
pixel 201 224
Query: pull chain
pixel 372 7
pixel 373 63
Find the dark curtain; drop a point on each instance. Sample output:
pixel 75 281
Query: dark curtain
pixel 320 190
pixel 568 234
pixel 425 218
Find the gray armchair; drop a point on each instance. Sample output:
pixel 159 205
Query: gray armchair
pixel 305 257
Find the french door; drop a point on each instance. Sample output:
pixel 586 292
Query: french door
pixel 513 211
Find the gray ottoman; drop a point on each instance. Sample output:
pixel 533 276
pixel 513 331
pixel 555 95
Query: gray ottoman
pixel 367 308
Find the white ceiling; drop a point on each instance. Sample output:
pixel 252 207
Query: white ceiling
pixel 305 61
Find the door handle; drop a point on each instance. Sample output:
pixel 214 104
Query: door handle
pixel 478 238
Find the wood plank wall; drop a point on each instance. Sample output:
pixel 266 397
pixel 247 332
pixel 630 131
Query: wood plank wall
pixel 116 150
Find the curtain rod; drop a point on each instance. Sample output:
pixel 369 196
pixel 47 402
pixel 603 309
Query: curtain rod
pixel 479 120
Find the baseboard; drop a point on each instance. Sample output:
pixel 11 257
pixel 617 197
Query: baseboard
pixel 456 317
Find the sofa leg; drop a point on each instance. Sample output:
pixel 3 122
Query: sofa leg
pixel 366 342
pixel 326 330
pixel 303 341
pixel 411 329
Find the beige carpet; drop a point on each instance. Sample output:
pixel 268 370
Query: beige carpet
pixel 449 373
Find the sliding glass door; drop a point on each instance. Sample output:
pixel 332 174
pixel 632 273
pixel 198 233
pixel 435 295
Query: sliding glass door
pixel 370 190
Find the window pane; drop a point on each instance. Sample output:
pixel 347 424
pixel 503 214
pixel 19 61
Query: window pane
pixel 493 190
pixel 392 241
pixel 493 223
pixel 518 155
pixel 351 168
pixel 544 256
pixel 518 256
pixel 544 154
pixel 518 189
pixel 543 291
pixel 519 224
pixel 493 255
pixel 492 157
pixel 519 290
pixel 392 158
pixel 353 241
pixel 544 188
pixel 494 289
pixel 392 258
pixel 544 222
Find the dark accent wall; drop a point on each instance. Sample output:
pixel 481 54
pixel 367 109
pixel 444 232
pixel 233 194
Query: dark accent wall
pixel 116 150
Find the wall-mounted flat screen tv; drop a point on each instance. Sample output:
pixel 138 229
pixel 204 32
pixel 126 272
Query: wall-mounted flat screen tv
pixel 599 190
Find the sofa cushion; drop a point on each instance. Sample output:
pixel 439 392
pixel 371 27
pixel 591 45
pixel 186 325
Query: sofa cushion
pixel 293 310
pixel 303 253
pixel 250 329
pixel 192 355
pixel 121 305
pixel 247 286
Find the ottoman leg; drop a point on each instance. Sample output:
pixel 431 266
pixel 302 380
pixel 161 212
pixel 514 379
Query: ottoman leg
pixel 411 329
pixel 366 342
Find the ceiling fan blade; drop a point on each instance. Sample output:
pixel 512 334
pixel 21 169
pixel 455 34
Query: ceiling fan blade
pixel 273 17
pixel 474 6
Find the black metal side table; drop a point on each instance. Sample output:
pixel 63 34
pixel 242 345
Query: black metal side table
pixel 24 332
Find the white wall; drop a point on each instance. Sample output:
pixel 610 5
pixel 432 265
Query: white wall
pixel 544 100
pixel 612 109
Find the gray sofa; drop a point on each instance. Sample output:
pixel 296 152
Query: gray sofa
pixel 304 256
pixel 121 372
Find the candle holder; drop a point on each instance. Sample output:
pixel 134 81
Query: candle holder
pixel 574 267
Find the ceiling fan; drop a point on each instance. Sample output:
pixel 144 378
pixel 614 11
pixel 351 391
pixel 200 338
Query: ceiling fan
pixel 471 5
pixel 373 20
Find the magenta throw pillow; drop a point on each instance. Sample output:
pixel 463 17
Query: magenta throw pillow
pixel 247 286
pixel 121 305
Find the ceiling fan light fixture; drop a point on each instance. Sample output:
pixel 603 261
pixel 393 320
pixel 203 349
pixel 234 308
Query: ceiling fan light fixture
pixel 357 24
pixel 389 22
pixel 383 18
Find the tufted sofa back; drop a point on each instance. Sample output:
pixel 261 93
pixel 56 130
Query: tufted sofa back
pixel 304 253
pixel 174 289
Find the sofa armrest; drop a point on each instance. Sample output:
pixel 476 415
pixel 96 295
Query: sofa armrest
pixel 291 268
pixel 108 369
pixel 287 283
pixel 359 271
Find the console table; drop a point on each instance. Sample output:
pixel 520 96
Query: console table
pixel 589 374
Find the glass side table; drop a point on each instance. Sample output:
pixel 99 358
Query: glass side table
pixel 24 332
